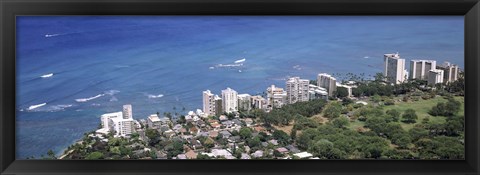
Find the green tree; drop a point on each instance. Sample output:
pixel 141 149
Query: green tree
pixel 245 132
pixel 281 137
pixel 293 133
pixel 115 150
pixel 394 114
pixel 409 116
pixel 203 156
pixel 153 136
pixel 340 122
pixel 341 92
pixel 304 140
pixel 51 154
pixel 332 110
pixel 325 149
pixel 417 133
pixel 376 124
pixel 253 142
pixel 94 155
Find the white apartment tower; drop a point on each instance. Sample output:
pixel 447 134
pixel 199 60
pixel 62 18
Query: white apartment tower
pixel 127 111
pixel 395 71
pixel 276 97
pixel 297 90
pixel 121 126
pixel 208 103
pixel 244 102
pixel 229 100
pixel 435 76
pixel 451 72
pixel 121 123
pixel 105 118
pixel 328 82
pixel 419 69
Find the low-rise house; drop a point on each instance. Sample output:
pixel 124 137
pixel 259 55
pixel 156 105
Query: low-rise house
pixel 213 134
pixel 183 131
pixel 257 154
pixel 197 145
pixel 216 125
pixel 161 155
pixel 186 137
pixel 164 128
pixel 282 150
pixel 181 156
pixel 237 122
pixel 227 123
pixel 248 121
pixel 169 133
pixel 234 139
pixel 177 128
pixel 156 122
pixel 245 156
pixel 273 142
pixel 220 153
pixel 193 130
pixel 202 134
pixel 247 149
pixel 135 146
pixel 201 123
pixel 223 118
pixel 264 144
pixel 195 118
pixel 303 155
pixel 188 118
pixel 225 134
pixel 259 129
pixel 191 154
pixel 212 121
pixel 292 149
pixel 138 153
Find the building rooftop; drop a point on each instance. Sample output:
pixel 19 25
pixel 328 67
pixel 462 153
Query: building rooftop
pixel 303 155
pixel 154 118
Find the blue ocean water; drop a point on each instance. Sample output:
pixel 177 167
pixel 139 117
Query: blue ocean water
pixel 157 63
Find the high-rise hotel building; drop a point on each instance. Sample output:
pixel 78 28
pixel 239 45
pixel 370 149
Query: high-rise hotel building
pixel 297 90
pixel 394 70
pixel 328 82
pixel 276 97
pixel 450 72
pixel 127 111
pixel 435 76
pixel 208 103
pixel 419 69
pixel 229 100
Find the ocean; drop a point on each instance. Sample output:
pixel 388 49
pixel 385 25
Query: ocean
pixel 72 69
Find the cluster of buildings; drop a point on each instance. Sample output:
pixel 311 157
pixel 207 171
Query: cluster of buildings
pixel 396 73
pixel 296 90
pixel 119 123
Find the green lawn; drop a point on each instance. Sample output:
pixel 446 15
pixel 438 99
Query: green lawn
pixel 355 124
pixel 421 107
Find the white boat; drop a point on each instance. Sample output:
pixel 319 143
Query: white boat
pixel 47 75
pixel 240 61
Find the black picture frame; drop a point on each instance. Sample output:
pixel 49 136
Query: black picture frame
pixel 11 8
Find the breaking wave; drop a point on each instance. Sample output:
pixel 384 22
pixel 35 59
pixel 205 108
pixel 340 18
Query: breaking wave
pixel 155 96
pixel 36 106
pixel 81 100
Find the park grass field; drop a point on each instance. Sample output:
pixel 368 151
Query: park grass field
pixel 421 107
